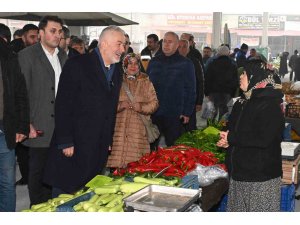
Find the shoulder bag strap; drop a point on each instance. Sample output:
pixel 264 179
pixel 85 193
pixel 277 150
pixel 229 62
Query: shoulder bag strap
pixel 131 98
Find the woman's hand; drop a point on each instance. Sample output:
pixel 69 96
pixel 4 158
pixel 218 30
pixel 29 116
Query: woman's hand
pixel 137 107
pixel 223 142
pixel 125 105
pixel 224 134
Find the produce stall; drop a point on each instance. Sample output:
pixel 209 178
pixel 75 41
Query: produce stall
pixel 192 169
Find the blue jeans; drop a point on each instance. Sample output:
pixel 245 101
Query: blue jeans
pixel 7 177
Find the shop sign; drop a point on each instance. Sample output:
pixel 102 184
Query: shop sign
pixel 190 19
pixel 255 22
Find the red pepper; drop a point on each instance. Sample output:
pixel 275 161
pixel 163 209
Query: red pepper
pixel 133 164
pixel 119 172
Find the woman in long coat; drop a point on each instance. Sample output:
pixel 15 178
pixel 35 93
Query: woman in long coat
pixel 130 138
pixel 253 139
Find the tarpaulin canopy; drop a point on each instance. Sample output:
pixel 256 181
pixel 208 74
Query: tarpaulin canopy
pixel 73 18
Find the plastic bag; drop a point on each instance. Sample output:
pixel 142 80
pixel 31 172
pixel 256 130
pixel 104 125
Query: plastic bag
pixel 208 110
pixel 208 174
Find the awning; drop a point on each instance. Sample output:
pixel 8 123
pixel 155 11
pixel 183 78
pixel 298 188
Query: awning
pixel 73 18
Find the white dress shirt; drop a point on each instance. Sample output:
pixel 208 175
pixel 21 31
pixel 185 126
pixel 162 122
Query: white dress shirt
pixel 54 61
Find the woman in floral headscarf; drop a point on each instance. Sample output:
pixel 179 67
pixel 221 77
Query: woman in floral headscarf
pixel 253 141
pixel 130 140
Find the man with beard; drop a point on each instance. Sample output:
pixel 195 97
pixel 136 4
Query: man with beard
pixel 41 65
pixel 29 37
pixel 152 48
pixel 85 113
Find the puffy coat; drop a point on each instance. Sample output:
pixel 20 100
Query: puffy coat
pixel 130 139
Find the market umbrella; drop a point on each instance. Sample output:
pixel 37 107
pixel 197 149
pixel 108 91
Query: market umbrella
pixel 73 18
pixel 227 39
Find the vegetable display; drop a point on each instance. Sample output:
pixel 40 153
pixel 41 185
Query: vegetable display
pixel 204 140
pixel 179 159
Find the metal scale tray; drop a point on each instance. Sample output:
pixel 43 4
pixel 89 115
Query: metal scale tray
pixel 156 198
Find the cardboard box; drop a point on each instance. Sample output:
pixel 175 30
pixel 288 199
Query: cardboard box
pixel 290 169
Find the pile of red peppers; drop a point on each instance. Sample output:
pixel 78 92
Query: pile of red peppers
pixel 181 159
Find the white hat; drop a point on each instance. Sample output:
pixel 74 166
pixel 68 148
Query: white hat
pixel 223 50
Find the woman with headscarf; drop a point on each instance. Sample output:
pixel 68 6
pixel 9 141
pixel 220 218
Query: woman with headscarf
pixel 130 139
pixel 253 141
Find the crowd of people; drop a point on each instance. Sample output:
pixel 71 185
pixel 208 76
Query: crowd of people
pixel 70 112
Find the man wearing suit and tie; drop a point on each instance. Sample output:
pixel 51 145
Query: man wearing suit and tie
pixel 85 113
pixel 41 65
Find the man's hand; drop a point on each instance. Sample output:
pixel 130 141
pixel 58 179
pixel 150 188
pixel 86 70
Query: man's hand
pixel 20 137
pixel 32 133
pixel 68 152
pixel 186 119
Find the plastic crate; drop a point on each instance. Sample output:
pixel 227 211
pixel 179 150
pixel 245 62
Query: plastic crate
pixel 222 207
pixel 68 206
pixel 287 132
pixel 292 110
pixel 190 181
pixel 287 202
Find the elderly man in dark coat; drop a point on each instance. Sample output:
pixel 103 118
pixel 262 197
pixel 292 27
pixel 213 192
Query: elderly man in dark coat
pixel 85 113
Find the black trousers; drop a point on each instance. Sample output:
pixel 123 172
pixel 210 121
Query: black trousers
pixel 171 127
pixel 38 191
pixel 22 153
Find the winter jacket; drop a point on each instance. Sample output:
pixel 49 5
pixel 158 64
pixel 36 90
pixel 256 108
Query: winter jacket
pixel 221 76
pixel 16 105
pixel 255 134
pixel 130 139
pixel 173 78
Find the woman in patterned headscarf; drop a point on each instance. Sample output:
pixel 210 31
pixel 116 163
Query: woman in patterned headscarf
pixel 253 142
pixel 130 140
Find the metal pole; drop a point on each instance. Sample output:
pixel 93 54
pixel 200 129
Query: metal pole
pixel 265 23
pixel 216 30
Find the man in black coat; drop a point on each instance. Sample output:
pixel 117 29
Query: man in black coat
pixel 184 50
pixel 85 112
pixel 14 118
pixel 221 81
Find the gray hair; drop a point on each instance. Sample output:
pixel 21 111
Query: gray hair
pixel 108 29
